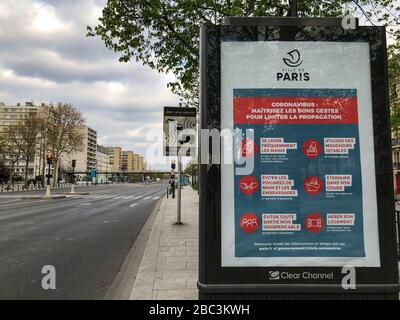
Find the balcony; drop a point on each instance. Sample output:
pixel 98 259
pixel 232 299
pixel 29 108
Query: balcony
pixel 396 143
pixel 396 165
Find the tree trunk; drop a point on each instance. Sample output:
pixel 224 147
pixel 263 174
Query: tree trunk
pixel 26 171
pixel 55 175
pixel 11 174
pixel 44 170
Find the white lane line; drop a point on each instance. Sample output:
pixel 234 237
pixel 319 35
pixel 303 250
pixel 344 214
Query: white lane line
pixel 97 197
pixel 128 197
pixel 137 197
pixel 109 197
pixel 133 205
pixel 146 198
pixel 86 204
pixel 118 197
pixel 155 198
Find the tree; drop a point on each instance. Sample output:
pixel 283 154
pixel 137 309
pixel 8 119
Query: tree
pixel 28 131
pixel 4 171
pixel 65 134
pixel 12 148
pixel 394 86
pixel 164 34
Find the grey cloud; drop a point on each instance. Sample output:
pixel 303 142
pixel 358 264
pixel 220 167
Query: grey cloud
pixel 114 98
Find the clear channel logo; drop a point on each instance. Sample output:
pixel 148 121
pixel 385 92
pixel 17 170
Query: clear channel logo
pixel 274 275
pixel 284 275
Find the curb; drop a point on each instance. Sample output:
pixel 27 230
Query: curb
pixel 69 194
pixel 141 289
pixel 57 196
pixel 122 286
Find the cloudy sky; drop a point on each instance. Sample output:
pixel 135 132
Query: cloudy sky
pixel 46 57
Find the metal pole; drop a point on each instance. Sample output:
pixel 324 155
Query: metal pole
pixel 73 180
pixel 179 202
pixel 48 183
pixel 293 8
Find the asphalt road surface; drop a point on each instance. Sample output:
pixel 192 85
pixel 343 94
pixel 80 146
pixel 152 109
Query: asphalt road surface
pixel 86 238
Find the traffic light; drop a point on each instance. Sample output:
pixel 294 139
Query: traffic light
pixel 73 163
pixel 173 165
pixel 49 158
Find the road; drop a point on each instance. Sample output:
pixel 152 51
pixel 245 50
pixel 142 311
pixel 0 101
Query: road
pixel 86 238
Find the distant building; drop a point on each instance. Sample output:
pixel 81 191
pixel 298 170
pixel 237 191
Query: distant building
pixel 115 156
pixel 103 160
pixel 127 161
pixel 86 158
pixel 132 162
pixel 11 115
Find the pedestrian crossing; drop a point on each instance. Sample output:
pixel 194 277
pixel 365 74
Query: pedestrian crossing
pixel 113 197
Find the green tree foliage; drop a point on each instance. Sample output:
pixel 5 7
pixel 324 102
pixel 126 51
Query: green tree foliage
pixel 164 34
pixel 394 86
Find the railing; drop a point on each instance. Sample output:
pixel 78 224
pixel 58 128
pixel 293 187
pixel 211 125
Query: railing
pixel 21 187
pixel 396 142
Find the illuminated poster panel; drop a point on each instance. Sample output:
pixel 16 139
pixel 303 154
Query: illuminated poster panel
pixel 311 198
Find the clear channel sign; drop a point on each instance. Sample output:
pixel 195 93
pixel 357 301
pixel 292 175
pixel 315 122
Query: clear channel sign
pixel 309 100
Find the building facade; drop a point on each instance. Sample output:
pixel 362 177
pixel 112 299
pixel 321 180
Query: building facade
pixel 394 93
pixel 92 157
pixel 86 158
pixel 12 115
pixel 115 156
pixel 103 160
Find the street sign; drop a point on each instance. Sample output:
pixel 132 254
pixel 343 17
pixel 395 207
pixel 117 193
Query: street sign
pixel 92 173
pixel 179 128
pixel 310 192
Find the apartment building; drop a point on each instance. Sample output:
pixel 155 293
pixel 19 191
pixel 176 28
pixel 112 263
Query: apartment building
pixel 127 161
pixel 103 160
pixel 86 158
pixel 11 115
pixel 115 156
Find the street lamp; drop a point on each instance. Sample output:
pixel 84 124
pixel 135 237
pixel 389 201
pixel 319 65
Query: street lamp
pixel 49 162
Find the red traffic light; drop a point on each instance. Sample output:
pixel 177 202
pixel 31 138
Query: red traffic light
pixel 49 157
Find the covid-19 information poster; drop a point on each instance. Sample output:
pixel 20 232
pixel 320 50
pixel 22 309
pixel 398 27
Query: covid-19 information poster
pixel 304 197
pixel 310 198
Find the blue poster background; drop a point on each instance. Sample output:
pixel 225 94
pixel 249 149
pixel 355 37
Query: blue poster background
pixel 298 167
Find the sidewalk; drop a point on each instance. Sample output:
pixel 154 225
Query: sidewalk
pixel 169 266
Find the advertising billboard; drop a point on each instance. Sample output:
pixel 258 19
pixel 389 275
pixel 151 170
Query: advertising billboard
pixel 313 198
pixel 301 105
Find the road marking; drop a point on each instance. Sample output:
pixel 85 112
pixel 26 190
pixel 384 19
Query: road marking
pixel 137 197
pixel 146 198
pixel 86 204
pixel 128 197
pixel 118 197
pixel 133 205
pixel 155 198
pixel 9 201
